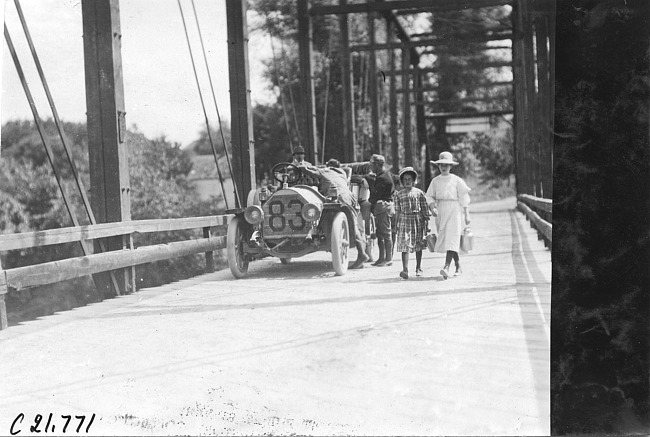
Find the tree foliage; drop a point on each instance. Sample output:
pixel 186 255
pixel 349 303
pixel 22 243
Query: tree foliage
pixel 160 189
pixel 491 155
pixel 203 144
pixel 277 20
pixel 30 200
pixel 459 61
pixel 281 120
pixel 270 134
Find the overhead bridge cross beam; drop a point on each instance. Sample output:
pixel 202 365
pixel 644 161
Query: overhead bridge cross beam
pixel 407 6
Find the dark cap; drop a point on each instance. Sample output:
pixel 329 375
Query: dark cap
pixel 299 149
pixel 378 158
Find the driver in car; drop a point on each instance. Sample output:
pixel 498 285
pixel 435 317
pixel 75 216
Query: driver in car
pixel 299 156
pixel 332 183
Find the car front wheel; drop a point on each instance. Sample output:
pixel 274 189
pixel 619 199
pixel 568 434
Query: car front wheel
pixel 235 242
pixel 340 243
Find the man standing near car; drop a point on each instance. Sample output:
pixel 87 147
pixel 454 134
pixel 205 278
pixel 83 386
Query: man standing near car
pixel 334 183
pixel 383 208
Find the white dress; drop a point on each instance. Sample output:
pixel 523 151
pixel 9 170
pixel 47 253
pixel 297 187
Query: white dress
pixel 449 194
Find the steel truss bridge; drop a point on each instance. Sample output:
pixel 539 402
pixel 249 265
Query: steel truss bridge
pixel 507 296
pixel 112 260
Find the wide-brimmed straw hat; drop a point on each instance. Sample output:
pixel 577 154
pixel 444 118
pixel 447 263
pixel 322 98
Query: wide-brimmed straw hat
pixel 445 158
pixel 405 170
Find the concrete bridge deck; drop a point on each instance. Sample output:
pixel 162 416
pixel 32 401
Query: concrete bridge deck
pixel 296 350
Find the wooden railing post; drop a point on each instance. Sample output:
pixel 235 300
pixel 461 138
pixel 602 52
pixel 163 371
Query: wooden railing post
pixel 3 293
pixel 209 260
pixel 133 290
pixel 129 272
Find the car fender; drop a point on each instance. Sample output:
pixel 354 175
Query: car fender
pixel 330 211
pixel 352 222
pixel 254 197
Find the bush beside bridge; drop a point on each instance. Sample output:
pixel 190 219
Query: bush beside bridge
pixel 31 201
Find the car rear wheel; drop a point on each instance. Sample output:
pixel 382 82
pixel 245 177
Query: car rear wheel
pixel 340 243
pixel 235 241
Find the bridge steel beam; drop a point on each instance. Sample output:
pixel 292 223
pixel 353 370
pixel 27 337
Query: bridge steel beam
pixel 347 90
pixel 551 11
pixel 243 145
pixel 467 86
pixel 468 114
pixel 433 42
pixel 392 98
pixel 107 147
pixel 544 108
pixel 421 130
pixel 305 46
pixel 469 66
pixel 405 5
pixel 412 58
pixel 521 119
pixel 372 85
pixel 406 110
pixel 532 118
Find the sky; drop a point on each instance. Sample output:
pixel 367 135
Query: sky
pixel 161 94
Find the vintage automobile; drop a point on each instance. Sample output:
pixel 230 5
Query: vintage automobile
pixel 291 222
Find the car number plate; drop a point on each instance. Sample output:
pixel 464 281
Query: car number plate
pixel 283 217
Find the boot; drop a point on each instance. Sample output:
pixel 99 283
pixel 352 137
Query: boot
pixel 388 247
pixel 382 253
pixel 361 258
pixel 445 271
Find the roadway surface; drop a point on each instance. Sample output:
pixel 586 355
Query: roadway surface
pixel 294 349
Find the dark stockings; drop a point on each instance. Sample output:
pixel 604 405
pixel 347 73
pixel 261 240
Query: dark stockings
pixel 418 260
pixel 452 255
pixel 405 261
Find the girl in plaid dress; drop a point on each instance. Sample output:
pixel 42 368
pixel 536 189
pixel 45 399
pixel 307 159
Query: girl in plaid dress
pixel 412 215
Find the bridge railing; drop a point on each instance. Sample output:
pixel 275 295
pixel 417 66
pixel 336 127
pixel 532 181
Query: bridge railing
pixel 214 238
pixel 539 212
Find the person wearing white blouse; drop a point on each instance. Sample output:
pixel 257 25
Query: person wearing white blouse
pixel 448 198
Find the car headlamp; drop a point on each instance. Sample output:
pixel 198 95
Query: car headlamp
pixel 254 215
pixel 310 212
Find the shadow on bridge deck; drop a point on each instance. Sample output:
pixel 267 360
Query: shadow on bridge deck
pixel 295 349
